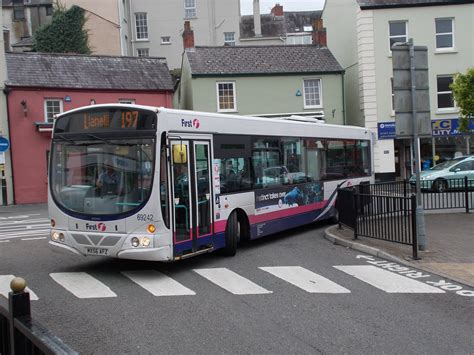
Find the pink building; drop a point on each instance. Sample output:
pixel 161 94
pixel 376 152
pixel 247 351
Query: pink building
pixel 42 85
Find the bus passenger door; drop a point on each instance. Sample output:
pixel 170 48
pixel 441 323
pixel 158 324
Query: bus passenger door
pixel 192 221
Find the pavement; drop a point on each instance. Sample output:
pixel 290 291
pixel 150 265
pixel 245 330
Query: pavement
pixel 449 246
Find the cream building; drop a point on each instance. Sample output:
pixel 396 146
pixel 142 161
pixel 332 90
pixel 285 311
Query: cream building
pixel 359 35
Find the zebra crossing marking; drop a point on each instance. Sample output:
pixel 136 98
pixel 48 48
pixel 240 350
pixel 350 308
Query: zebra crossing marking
pixel 157 284
pixel 387 281
pixel 5 287
pixel 231 281
pixel 82 285
pixel 305 279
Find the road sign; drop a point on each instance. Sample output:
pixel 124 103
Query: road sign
pixel 4 144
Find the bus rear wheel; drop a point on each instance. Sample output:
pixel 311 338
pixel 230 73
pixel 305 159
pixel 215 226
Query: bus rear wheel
pixel 232 235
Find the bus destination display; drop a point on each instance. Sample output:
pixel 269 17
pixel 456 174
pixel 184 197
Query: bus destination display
pixel 106 120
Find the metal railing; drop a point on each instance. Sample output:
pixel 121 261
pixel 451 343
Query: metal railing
pixel 436 194
pixel 389 218
pixel 19 333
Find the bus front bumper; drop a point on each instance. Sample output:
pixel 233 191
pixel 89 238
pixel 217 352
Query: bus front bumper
pixel 151 254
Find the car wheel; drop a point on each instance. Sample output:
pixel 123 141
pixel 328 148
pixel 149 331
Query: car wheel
pixel 440 186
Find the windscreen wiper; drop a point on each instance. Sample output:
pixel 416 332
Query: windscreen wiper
pixel 101 139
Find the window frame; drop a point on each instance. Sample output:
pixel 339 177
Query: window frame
pixel 138 25
pixel 441 49
pixel 168 42
pixel 320 92
pixel 61 108
pixel 234 92
pixel 397 36
pixel 19 8
pixel 190 8
pixel 228 42
pixel 143 49
pixel 127 101
pixel 451 108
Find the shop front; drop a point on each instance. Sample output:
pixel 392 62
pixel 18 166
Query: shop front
pixel 446 143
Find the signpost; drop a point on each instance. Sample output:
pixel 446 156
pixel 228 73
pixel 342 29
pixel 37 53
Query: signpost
pixel 412 110
pixel 4 144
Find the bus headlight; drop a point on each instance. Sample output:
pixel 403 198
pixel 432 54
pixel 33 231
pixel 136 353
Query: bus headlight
pixel 61 237
pixel 135 242
pixel 54 236
pixel 146 241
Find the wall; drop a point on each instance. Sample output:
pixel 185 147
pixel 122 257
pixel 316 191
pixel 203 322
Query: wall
pixel 270 94
pixel 29 159
pixel 102 23
pixel 340 20
pixel 214 17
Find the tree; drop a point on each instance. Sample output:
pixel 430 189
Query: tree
pixel 64 34
pixel 463 92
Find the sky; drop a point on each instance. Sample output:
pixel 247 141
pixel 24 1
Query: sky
pixel 246 6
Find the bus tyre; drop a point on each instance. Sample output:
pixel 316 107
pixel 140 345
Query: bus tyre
pixel 232 235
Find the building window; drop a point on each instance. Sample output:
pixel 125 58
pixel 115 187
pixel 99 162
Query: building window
pixel 226 101
pixel 444 92
pixel 189 8
pixel 127 101
pixel 49 10
pixel 312 93
pixel 143 52
pixel 298 39
pixel 165 40
pixel 18 12
pixel 52 107
pixel 398 32
pixel 229 38
pixel 444 33
pixel 141 23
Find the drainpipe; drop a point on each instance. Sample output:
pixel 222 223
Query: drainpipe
pixel 343 100
pixel 132 22
pixel 6 91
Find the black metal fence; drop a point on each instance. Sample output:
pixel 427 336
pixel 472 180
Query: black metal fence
pixel 435 194
pixel 389 218
pixel 387 211
pixel 20 334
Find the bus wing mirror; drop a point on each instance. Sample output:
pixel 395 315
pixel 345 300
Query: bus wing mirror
pixel 180 154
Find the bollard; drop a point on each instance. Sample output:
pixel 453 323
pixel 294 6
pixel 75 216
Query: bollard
pixel 19 305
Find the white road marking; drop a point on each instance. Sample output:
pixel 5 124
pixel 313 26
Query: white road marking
pixel 232 282
pixel 387 281
pixel 4 241
pixel 37 238
pixel 24 234
pixel 27 221
pixel 5 287
pixel 82 285
pixel 157 283
pixel 305 279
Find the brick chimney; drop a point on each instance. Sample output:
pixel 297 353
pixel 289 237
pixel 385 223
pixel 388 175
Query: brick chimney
pixel 257 25
pixel 188 36
pixel 277 10
pixel 319 33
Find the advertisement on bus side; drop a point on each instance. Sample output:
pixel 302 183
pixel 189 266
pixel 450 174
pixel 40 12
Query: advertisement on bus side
pixel 285 197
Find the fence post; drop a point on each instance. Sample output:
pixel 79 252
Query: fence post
pixel 466 192
pixel 405 182
pixel 414 227
pixel 356 211
pixel 19 305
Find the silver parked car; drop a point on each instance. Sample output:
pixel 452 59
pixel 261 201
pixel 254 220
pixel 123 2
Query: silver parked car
pixel 449 174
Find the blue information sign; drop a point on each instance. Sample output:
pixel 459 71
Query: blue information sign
pixel 4 144
pixel 386 130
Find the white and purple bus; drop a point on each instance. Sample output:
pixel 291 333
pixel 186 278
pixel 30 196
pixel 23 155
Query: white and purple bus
pixel 148 183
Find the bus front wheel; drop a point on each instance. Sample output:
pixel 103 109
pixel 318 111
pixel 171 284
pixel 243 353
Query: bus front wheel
pixel 232 235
